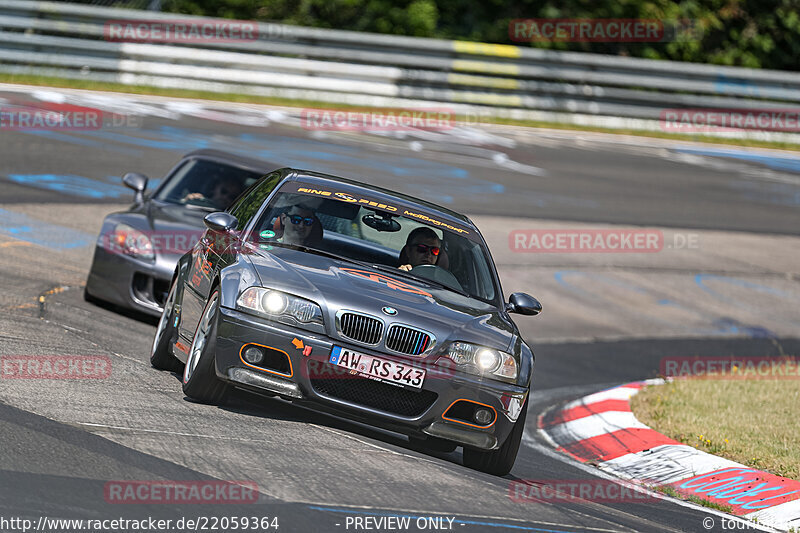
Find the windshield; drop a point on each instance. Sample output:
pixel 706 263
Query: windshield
pixel 207 184
pixel 387 240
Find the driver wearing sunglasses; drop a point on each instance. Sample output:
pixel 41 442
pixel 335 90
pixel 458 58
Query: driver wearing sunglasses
pixel 297 223
pixel 422 248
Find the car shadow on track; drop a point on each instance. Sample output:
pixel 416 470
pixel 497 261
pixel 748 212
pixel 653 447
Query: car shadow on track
pixel 273 408
pixel 128 313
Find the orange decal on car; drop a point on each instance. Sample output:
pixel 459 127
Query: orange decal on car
pixel 386 280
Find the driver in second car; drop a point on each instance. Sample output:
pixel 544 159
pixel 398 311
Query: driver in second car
pixel 422 248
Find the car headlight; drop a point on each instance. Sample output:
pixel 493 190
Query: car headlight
pixel 132 242
pixel 483 361
pixel 280 305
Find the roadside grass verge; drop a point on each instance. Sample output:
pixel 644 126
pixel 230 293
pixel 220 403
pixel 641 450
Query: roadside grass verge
pixel 253 99
pixel 752 422
pixel 671 492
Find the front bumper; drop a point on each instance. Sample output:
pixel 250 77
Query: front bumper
pixel 130 283
pixel 307 379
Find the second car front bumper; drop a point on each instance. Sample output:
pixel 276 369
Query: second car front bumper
pixel 129 282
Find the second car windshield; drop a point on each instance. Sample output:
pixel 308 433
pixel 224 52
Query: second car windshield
pixel 208 184
pixel 387 240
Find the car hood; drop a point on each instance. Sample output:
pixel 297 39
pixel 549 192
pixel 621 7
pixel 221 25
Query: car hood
pixel 337 285
pixel 173 229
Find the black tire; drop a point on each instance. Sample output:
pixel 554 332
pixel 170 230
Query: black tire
pixel 432 444
pixel 499 462
pixel 161 354
pixel 200 381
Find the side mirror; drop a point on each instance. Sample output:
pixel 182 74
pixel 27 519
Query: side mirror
pixel 221 222
pixel 137 182
pixel 524 304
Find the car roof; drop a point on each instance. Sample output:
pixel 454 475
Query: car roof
pixel 319 178
pixel 248 163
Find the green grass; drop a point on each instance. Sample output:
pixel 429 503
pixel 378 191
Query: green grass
pixel 752 422
pixel 671 492
pixel 253 99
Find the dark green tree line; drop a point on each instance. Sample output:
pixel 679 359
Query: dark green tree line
pixel 749 33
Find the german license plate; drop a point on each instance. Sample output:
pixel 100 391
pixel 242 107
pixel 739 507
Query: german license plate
pixel 377 368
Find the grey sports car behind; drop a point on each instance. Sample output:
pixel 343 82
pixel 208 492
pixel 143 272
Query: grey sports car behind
pixel 137 250
pixel 352 299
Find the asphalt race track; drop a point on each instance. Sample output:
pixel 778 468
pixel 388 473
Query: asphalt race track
pixel 725 283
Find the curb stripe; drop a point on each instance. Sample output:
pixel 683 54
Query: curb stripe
pixel 618 393
pixel 616 444
pixel 582 411
pixel 594 426
pixel 745 489
pixel 601 429
pixel 783 516
pixel 666 464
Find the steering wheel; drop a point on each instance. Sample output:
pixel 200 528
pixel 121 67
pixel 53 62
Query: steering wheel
pixel 437 274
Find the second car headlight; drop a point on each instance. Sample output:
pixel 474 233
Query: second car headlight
pixel 278 305
pixel 132 242
pixel 483 361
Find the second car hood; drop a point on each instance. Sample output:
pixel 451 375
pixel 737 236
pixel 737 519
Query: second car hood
pixel 173 229
pixel 167 217
pixel 336 285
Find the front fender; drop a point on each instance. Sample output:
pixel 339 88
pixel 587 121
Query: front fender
pixel 526 361
pixel 234 279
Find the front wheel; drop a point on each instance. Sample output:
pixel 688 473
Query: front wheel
pixel 200 381
pixel 499 462
pixel 161 356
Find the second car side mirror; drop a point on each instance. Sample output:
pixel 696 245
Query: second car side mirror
pixel 221 222
pixel 524 304
pixel 137 182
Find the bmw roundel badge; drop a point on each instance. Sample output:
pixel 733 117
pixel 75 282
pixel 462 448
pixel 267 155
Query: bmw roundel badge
pixel 391 311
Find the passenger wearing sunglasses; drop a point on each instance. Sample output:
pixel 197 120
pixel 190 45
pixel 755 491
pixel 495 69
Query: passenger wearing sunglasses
pixel 422 248
pixel 297 224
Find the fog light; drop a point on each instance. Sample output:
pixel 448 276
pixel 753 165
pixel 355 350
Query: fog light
pixel 483 416
pixel 253 355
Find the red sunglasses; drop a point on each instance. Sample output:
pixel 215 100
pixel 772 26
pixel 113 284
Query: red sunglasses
pixel 423 248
